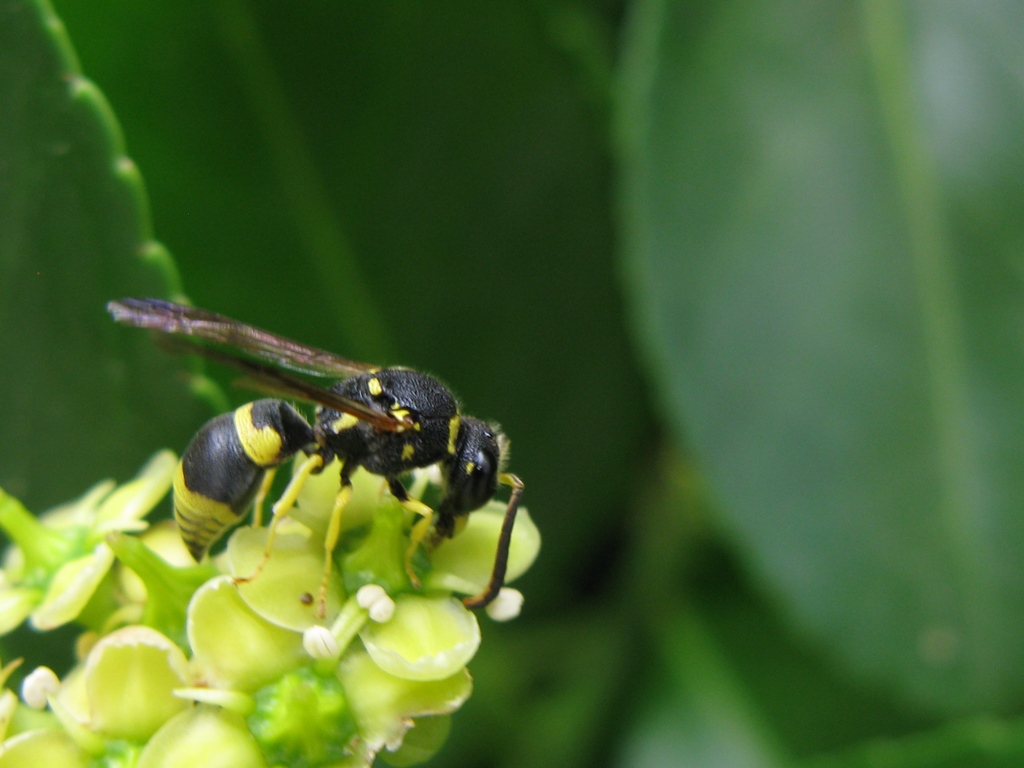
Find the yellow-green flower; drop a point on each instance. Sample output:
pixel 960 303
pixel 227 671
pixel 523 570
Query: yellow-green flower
pixel 59 561
pixel 383 656
pixel 107 708
pixel 224 669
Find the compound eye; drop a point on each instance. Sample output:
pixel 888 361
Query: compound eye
pixel 480 482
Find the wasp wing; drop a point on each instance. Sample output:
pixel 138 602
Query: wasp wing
pixel 283 383
pixel 239 339
pixel 188 327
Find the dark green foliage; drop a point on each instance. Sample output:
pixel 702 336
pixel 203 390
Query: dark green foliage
pixel 809 214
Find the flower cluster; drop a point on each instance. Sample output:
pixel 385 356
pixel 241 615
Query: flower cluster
pixel 183 664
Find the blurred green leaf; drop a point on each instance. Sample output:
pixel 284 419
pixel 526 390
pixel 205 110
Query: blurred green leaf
pixel 74 233
pixel 821 207
pixel 553 705
pixel 807 702
pixel 699 713
pixel 981 743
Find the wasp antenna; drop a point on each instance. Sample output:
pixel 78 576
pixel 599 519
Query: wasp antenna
pixel 504 542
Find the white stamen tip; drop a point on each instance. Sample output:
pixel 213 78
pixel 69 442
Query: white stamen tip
pixel 376 601
pixel 382 610
pixel 369 594
pixel 507 605
pixel 320 643
pixel 38 684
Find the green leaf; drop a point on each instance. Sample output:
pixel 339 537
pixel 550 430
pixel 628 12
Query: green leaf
pixel 74 233
pixel 979 743
pixel 564 702
pixel 821 206
pixel 699 713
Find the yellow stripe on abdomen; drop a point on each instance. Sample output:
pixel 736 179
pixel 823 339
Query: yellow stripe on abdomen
pixel 200 520
pixel 261 444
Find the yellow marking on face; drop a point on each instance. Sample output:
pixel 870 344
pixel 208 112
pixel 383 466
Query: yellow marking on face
pixel 374 386
pixel 470 466
pixel 261 444
pixel 346 421
pixel 453 432
pixel 408 452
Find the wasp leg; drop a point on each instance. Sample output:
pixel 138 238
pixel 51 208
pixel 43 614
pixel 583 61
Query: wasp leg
pixel 504 541
pixel 331 539
pixel 283 506
pixel 261 496
pixel 419 530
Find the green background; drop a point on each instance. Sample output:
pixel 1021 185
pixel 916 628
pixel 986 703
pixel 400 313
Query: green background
pixel 743 282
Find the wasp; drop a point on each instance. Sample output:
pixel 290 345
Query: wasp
pixel 388 420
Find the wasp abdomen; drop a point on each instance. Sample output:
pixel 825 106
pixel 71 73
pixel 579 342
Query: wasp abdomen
pixel 222 468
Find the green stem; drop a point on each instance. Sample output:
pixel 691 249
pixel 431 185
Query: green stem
pixel 348 624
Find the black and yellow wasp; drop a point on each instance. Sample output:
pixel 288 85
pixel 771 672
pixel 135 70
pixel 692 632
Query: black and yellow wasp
pixel 387 420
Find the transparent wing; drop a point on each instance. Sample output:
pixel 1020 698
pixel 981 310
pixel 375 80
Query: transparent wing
pixel 236 337
pixel 188 327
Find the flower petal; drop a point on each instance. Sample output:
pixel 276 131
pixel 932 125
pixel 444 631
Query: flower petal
pixel 464 564
pixel 383 704
pixel 130 676
pixel 133 500
pixel 81 512
pixel 8 705
pixel 428 638
pixel 234 648
pixel 51 748
pixel 206 736
pixel 422 742
pixel 290 575
pixel 16 603
pixel 316 500
pixel 71 589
